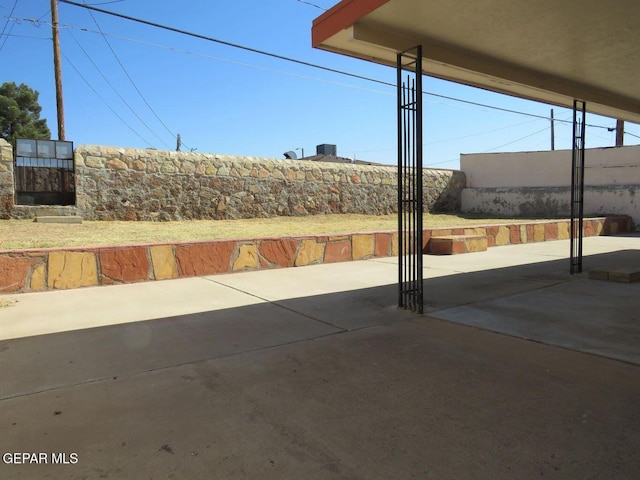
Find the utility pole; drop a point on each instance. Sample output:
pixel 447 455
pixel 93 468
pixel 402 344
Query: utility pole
pixel 57 68
pixel 619 133
pixel 553 133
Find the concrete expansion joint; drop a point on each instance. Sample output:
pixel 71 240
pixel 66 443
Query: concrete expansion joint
pixel 167 367
pixel 444 269
pixel 59 387
pixel 236 289
pixel 325 322
pixel 275 303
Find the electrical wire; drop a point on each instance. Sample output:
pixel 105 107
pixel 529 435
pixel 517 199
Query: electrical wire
pixel 4 29
pixel 8 17
pixel 306 77
pixel 355 150
pixel 44 14
pixel 461 138
pixel 105 102
pixel 27 36
pixel 321 67
pixel 335 71
pixel 293 60
pixel 537 117
pixel 516 141
pixel 116 91
pixel 496 148
pixel 312 4
pixel 479 133
pixel 131 79
pixel 233 62
pixel 224 42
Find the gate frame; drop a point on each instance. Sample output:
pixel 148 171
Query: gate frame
pixel 52 161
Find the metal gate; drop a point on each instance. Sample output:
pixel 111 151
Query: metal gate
pixel 577 186
pixel 44 172
pixel 410 203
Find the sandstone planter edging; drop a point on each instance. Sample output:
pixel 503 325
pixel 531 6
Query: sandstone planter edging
pixel 65 268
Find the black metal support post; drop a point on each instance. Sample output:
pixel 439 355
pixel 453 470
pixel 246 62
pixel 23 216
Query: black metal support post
pixel 577 185
pixel 410 203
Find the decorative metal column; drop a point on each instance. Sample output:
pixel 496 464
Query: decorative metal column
pixel 577 185
pixel 410 203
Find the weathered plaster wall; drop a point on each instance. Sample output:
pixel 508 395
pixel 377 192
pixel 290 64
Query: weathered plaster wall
pixel 136 184
pixel 538 184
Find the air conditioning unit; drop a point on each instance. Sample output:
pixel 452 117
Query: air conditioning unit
pixel 327 149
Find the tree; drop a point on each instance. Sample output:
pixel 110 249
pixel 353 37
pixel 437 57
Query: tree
pixel 20 113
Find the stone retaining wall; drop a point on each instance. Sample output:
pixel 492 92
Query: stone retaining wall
pixel 50 269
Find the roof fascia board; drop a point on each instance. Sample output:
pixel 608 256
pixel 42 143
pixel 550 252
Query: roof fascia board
pixel 340 17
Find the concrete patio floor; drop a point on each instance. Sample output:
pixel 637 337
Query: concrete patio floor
pixel 517 370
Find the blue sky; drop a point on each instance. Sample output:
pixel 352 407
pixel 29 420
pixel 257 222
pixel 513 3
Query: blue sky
pixel 146 85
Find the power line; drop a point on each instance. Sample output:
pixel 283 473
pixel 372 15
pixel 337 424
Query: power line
pixel 116 91
pixel 293 60
pixel 479 133
pixel 233 62
pixel 131 81
pixel 15 3
pixel 495 148
pixel 27 36
pixel 306 77
pixel 4 29
pixel 484 132
pixel 516 141
pixel 36 22
pixel 309 64
pixel 313 5
pixel 224 42
pixel 105 102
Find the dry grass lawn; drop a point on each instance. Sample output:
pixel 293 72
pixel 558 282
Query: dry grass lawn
pixel 26 234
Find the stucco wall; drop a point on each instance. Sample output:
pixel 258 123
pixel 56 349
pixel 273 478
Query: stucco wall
pixel 537 184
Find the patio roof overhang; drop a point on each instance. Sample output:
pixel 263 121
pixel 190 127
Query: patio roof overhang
pixel 545 50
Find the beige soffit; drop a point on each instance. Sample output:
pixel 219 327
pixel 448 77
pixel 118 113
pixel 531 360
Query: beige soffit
pixel 546 50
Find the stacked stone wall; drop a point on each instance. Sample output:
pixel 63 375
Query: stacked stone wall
pixel 136 184
pixel 6 179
